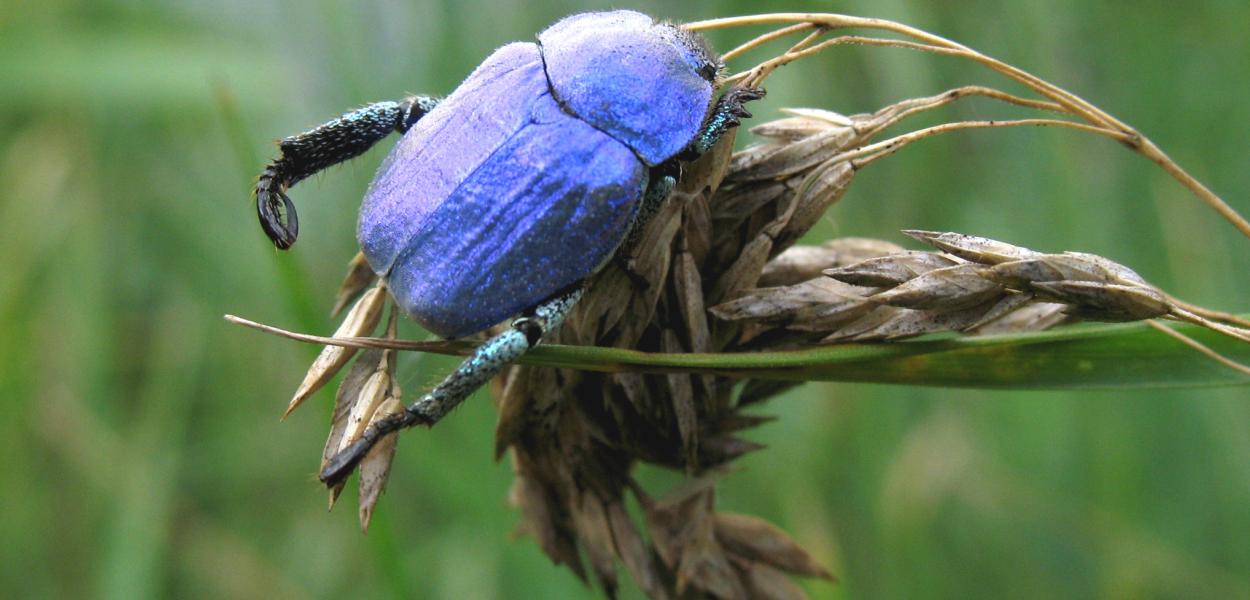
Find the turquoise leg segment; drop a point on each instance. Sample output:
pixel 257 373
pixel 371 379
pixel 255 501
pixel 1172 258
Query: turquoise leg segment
pixel 485 362
pixel 660 183
pixel 727 114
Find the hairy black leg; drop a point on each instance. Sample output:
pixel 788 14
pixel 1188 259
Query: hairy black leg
pixel 485 362
pixel 303 155
pixel 727 114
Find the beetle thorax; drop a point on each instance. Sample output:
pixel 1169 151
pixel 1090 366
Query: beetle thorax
pixel 646 83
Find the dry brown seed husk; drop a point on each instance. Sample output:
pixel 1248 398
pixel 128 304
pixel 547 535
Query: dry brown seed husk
pixel 667 519
pixel 634 553
pixel 891 270
pixel 1022 273
pixel 778 161
pixel 595 533
pixel 804 122
pixel 760 541
pixel 682 527
pixel 689 288
pixel 745 271
pixel 697 228
pixel 740 421
pixel 349 390
pixel 375 468
pixel 858 249
pixel 1115 269
pixel 817 192
pixel 528 495
pixel 705 566
pixel 973 248
pixel 619 306
pixel 889 323
pixel 1037 316
pixel 1067 267
pixel 1007 304
pixel 797 264
pixel 361 321
pixel 359 276
pixel 681 395
pixel 782 305
pixel 1108 302
pixel 372 394
pixel 720 449
pixel 733 205
pixel 768 583
pixel 947 289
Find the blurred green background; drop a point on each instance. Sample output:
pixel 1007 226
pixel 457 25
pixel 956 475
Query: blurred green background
pixel 143 456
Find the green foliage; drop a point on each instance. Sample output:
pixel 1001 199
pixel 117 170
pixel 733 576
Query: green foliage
pixel 143 456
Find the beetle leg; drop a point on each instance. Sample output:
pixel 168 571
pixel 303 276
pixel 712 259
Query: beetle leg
pixel 305 154
pixel 727 114
pixel 485 362
pixel 660 183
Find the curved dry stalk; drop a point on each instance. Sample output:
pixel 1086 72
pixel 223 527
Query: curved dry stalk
pixel 364 343
pixel 1200 347
pixel 1214 315
pixel 831 21
pixel 889 146
pixel 928 42
pixel 755 76
pixel 1185 316
pixel 764 39
pixel 914 106
pixel 758 41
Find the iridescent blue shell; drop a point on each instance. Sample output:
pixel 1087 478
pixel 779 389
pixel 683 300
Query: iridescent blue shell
pixel 633 77
pixel 506 193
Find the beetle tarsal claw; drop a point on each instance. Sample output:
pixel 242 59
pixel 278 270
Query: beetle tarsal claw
pixel 277 216
pixel 738 97
pixel 344 462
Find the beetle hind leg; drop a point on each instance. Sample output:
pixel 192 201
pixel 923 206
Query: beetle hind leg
pixel 305 154
pixel 483 364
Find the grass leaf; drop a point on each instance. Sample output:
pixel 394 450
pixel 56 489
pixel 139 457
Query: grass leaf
pixel 1085 357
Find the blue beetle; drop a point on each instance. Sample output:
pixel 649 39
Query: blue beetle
pixel 502 198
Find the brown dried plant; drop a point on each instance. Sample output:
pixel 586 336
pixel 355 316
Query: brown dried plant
pixel 717 271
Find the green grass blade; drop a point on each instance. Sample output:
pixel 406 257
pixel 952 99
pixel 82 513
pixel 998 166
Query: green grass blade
pixel 1120 356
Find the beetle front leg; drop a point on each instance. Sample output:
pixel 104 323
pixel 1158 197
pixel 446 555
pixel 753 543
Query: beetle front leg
pixel 485 362
pixel 305 154
pixel 727 114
